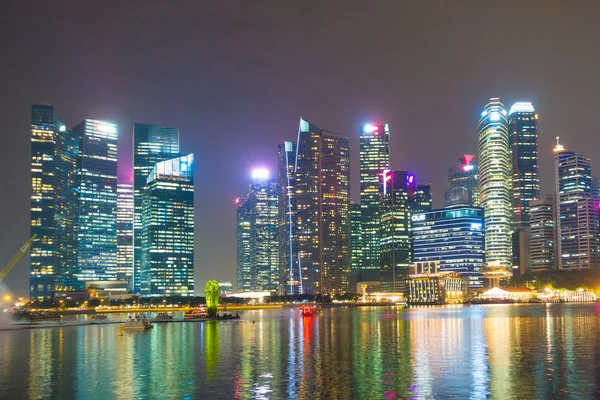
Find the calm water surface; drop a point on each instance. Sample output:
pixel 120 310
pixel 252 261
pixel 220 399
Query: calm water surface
pixel 502 352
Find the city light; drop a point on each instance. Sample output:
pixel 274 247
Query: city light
pixel 468 168
pixel 260 173
pixel 106 128
pixel 369 128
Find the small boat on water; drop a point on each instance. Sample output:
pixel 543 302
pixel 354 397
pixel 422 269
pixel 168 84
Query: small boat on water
pixel 137 324
pixel 163 316
pixel 201 313
pixel 36 316
pixel 309 311
pixel 98 317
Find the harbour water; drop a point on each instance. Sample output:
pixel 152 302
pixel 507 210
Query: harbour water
pixel 495 351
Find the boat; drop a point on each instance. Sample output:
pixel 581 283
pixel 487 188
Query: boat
pixel 98 317
pixel 201 313
pixel 163 317
pixel 25 316
pixel 308 311
pixel 137 324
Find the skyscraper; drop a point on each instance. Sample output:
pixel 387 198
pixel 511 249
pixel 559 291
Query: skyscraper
pixel 465 176
pixel 422 200
pixel 288 246
pixel 125 233
pixel 454 237
pixel 374 159
pixel 522 124
pixel 258 269
pixel 151 144
pixel 398 193
pixel 323 209
pixel 97 191
pixel 54 150
pixel 543 235
pixel 577 212
pixel 356 238
pixel 244 263
pixel 495 184
pixel 167 265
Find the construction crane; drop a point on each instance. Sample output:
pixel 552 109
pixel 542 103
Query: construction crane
pixel 15 259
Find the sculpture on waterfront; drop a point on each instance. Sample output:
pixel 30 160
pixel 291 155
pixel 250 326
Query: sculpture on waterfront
pixel 211 293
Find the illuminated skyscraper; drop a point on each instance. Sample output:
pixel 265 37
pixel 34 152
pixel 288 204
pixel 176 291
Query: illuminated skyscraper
pixel 577 211
pixel 465 176
pixel 522 124
pixel 125 233
pixel 543 235
pixel 97 189
pixel 151 144
pixel 258 269
pixel 243 222
pixel 495 183
pixel 288 246
pixel 323 209
pixel 356 238
pixel 422 200
pixel 167 266
pixel 454 237
pixel 54 153
pixel 395 256
pixel 374 159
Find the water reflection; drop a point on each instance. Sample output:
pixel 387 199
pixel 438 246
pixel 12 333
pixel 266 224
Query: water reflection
pixel 505 352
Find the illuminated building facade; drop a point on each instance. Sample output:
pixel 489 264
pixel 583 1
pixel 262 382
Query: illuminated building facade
pixel 428 286
pixel 422 200
pixel 398 192
pixel 97 194
pixel 543 235
pixel 54 150
pixel 323 209
pixel 374 159
pixel 522 122
pixel 258 270
pixel 356 238
pixel 125 233
pixel 244 271
pixel 288 246
pixel 495 184
pixel 151 144
pixel 577 211
pixel 167 267
pixel 452 237
pixel 465 176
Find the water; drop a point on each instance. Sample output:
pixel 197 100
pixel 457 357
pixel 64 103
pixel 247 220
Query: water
pixel 502 352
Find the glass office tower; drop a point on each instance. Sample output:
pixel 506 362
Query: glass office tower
pixel 495 183
pixel 522 122
pixel 54 150
pixel 356 244
pixel 323 209
pixel 464 175
pixel 151 144
pixel 261 210
pixel 168 229
pixel 97 191
pixel 125 233
pixel 374 159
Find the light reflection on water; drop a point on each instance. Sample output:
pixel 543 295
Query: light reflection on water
pixel 477 352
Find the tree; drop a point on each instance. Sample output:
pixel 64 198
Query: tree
pixel 211 293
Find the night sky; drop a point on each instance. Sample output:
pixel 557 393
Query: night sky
pixel 235 77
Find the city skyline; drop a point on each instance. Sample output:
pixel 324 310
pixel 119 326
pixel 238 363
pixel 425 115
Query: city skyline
pixel 124 97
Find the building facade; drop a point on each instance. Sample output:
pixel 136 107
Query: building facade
pixel 323 209
pixel 374 159
pixel 167 264
pixel 97 200
pixel 453 238
pixel 125 233
pixel 543 235
pixel 258 268
pixel 464 176
pixel 356 237
pixel 151 144
pixel 54 151
pixel 288 246
pixel 522 122
pixel 577 211
pixel 495 184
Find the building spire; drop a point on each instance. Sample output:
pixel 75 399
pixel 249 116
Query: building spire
pixel 558 147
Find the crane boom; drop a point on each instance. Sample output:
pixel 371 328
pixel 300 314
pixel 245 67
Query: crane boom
pixel 15 259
